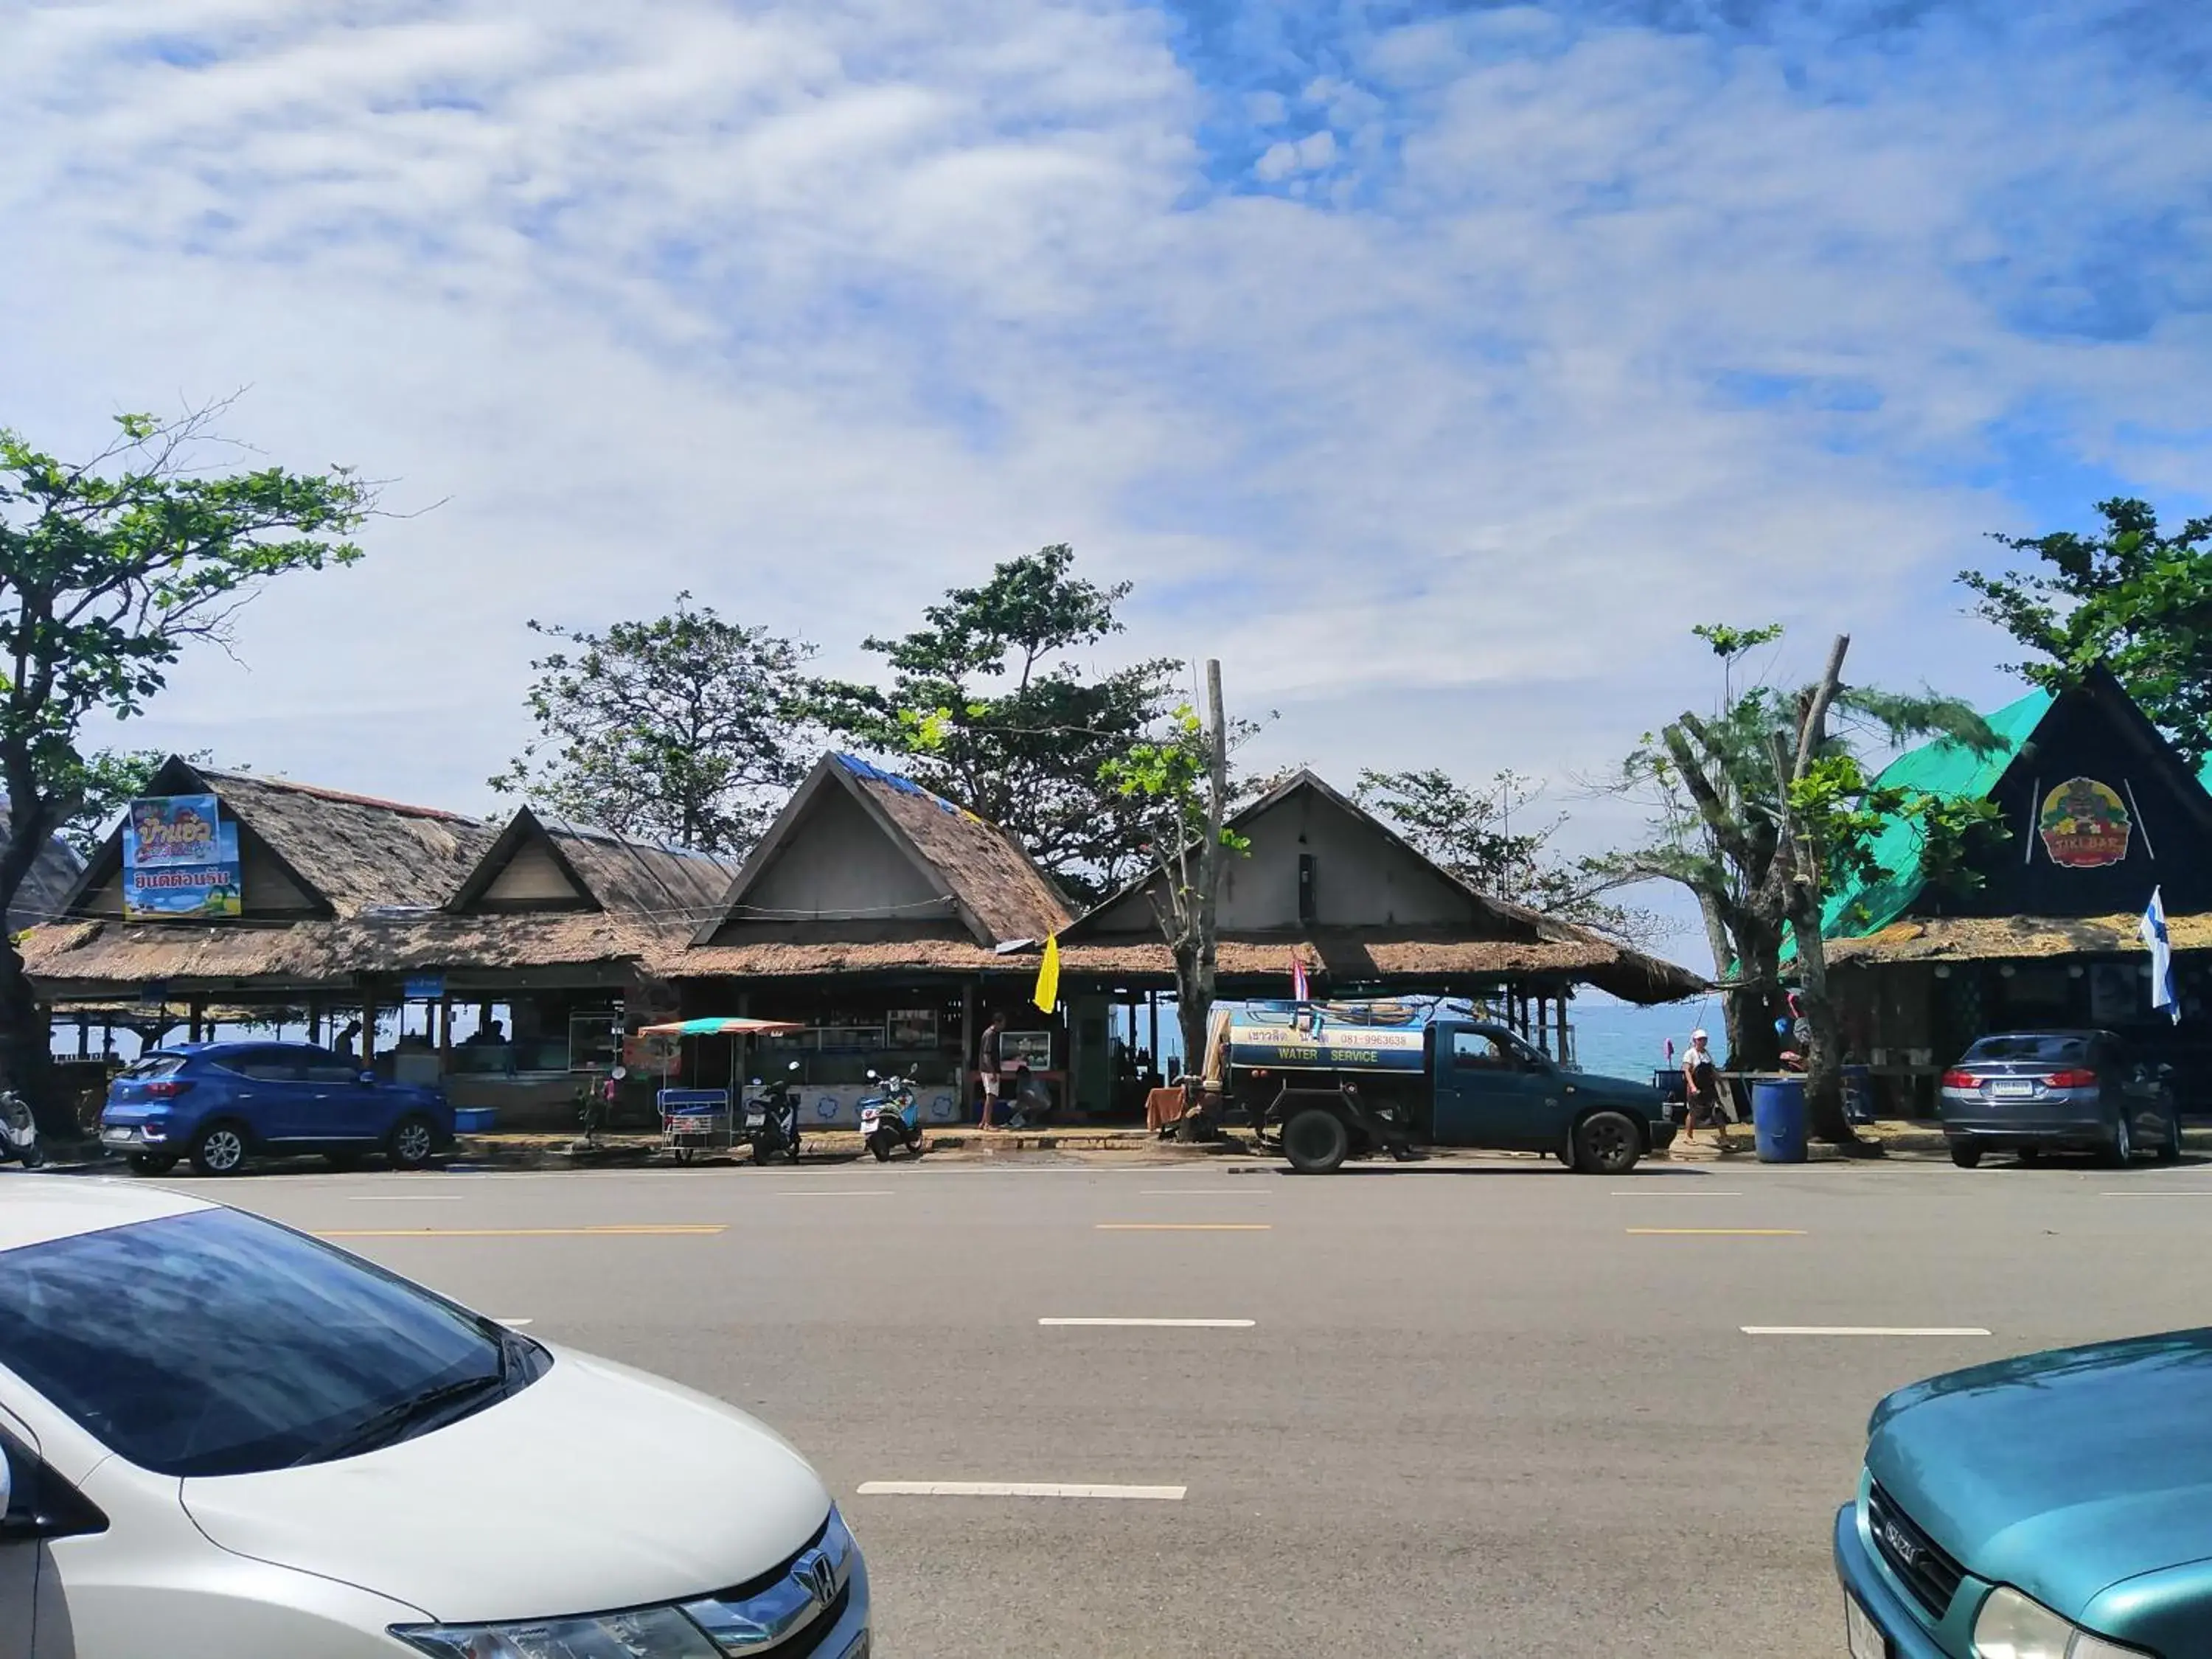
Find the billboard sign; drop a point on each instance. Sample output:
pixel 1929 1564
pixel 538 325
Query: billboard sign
pixel 2084 825
pixel 180 860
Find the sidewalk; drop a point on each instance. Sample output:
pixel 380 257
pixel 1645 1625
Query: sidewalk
pixel 965 1144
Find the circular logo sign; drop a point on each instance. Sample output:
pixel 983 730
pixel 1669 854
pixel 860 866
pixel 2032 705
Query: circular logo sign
pixel 2084 825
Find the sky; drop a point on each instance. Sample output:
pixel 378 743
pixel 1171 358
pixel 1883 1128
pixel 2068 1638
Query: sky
pixel 1435 366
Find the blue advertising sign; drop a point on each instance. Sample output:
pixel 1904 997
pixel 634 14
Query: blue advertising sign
pixel 179 859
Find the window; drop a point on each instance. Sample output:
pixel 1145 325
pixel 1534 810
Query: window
pixel 2037 1047
pixel 217 1343
pixel 1478 1050
pixel 263 1065
pixel 320 1065
pixel 153 1066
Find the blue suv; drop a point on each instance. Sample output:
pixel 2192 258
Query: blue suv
pixel 220 1104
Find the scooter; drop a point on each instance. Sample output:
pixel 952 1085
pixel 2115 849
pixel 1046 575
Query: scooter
pixel 890 1119
pixel 772 1121
pixel 19 1131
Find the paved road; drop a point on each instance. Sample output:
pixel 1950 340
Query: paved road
pixel 1483 1408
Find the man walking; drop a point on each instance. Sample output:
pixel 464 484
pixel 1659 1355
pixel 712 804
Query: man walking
pixel 1701 1075
pixel 986 1062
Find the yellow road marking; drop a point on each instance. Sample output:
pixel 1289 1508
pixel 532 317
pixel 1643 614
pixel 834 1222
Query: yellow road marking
pixel 1719 1232
pixel 1186 1226
pixel 669 1229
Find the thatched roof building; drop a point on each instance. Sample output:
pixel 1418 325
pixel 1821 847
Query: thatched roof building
pixel 1326 880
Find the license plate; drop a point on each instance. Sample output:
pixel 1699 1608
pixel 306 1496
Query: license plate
pixel 2013 1088
pixel 1860 1631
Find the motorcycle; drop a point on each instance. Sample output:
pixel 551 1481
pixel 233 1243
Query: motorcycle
pixel 19 1131
pixel 772 1121
pixel 890 1119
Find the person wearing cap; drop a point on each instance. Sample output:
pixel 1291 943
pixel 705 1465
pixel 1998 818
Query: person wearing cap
pixel 1701 1074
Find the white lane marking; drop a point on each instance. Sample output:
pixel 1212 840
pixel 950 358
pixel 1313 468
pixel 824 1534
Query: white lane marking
pixel 816 1192
pixel 1165 1324
pixel 403 1198
pixel 2163 1192
pixel 1014 1489
pixel 1863 1330
pixel 1653 1192
pixel 512 1324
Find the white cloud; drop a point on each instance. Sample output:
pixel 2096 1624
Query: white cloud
pixel 817 309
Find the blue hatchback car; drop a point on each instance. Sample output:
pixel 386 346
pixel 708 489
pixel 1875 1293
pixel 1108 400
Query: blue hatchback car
pixel 2054 1506
pixel 221 1104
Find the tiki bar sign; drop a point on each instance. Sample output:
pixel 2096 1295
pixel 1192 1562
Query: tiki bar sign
pixel 2084 825
pixel 179 859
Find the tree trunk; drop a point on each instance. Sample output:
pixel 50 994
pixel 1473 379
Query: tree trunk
pixel 1824 1070
pixel 1749 1003
pixel 26 1059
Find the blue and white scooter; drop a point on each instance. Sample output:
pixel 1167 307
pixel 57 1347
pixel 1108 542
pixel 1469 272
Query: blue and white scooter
pixel 890 1119
pixel 19 1131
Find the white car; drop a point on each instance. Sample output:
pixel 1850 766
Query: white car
pixel 226 1440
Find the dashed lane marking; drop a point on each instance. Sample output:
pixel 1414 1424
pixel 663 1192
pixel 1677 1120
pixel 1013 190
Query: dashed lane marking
pixel 1164 1324
pixel 658 1231
pixel 1185 1226
pixel 1863 1330
pixel 1718 1232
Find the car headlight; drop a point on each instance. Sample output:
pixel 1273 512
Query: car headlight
pixel 2011 1626
pixel 656 1633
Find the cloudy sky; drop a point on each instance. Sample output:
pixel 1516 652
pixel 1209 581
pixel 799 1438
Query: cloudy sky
pixel 1435 365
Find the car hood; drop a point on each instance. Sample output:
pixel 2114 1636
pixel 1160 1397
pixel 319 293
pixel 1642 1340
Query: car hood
pixel 2059 1473
pixel 1617 1090
pixel 596 1487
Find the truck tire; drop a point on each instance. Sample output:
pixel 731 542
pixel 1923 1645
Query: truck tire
pixel 1316 1141
pixel 1607 1143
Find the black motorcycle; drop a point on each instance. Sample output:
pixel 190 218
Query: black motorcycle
pixel 19 1131
pixel 772 1121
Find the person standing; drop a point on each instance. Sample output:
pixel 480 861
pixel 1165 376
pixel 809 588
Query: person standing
pixel 1701 1075
pixel 987 1058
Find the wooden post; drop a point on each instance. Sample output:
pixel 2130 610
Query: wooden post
pixel 445 1035
pixel 368 1029
pixel 1152 1003
pixel 196 1006
pixel 966 1046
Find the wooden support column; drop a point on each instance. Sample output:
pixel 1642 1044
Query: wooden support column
pixel 445 1035
pixel 368 1029
pixel 195 1007
pixel 1153 1004
pixel 968 1034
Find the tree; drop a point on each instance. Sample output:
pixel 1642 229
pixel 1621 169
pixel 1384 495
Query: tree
pixel 108 568
pixel 114 778
pixel 1176 780
pixel 686 728
pixel 1471 833
pixel 2137 601
pixel 1762 810
pixel 985 708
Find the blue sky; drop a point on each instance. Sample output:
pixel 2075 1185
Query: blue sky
pixel 1435 365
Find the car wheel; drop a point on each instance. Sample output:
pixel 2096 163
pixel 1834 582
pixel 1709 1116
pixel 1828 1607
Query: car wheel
pixel 1964 1156
pixel 153 1163
pixel 2122 1152
pixel 1606 1143
pixel 220 1149
pixel 2169 1150
pixel 413 1139
pixel 1316 1141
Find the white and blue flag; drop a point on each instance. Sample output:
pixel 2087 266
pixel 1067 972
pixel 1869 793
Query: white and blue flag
pixel 2161 957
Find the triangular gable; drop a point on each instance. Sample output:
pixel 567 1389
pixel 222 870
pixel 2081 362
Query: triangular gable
pixel 269 885
pixel 524 869
pixel 1366 875
pixel 833 855
pixel 2093 729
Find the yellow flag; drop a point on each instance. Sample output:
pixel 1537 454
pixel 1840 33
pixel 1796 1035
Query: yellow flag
pixel 1047 994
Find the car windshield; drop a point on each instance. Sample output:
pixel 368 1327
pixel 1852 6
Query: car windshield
pixel 2037 1047
pixel 216 1343
pixel 153 1066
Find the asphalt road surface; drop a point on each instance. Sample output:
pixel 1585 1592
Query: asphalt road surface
pixel 1463 1409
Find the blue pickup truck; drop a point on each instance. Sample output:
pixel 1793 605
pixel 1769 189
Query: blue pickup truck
pixel 1322 1084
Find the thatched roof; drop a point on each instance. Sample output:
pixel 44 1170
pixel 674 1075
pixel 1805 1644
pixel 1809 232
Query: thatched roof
pixel 2001 939
pixel 358 853
pixel 649 882
pixel 979 876
pixel 1348 958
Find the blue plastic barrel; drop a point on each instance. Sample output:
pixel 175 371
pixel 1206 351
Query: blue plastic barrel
pixel 1777 1119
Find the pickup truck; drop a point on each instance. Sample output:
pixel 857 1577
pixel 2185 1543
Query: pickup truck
pixel 1320 1089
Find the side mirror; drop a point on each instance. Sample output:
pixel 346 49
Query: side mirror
pixel 7 1486
pixel 58 1512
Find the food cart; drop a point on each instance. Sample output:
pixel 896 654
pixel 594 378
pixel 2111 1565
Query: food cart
pixel 695 1120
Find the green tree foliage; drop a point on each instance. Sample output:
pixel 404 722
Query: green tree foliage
pixel 1765 807
pixel 2130 597
pixel 109 567
pixel 1472 833
pixel 685 728
pixel 987 706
